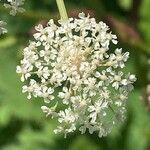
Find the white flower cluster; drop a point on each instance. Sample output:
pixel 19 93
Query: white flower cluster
pixel 2 29
pixel 70 64
pixel 14 6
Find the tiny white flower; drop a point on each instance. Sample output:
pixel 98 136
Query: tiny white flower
pixel 96 109
pixel 50 111
pixel 2 27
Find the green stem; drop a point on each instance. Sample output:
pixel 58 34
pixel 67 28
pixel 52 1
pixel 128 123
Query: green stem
pixel 62 9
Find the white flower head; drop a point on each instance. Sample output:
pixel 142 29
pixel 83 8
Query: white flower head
pixel 71 63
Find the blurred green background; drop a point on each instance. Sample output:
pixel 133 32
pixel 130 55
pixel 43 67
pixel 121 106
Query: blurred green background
pixel 23 126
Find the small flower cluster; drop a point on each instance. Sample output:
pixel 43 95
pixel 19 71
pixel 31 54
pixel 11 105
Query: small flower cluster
pixel 70 64
pixel 2 29
pixel 14 6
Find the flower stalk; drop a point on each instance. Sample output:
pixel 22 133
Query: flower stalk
pixel 62 9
